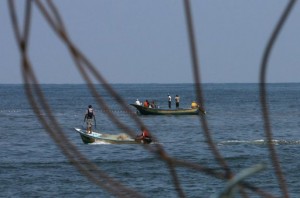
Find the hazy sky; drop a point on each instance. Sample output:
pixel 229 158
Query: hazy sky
pixel 145 41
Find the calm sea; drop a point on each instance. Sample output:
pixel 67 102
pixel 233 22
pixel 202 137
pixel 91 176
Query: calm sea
pixel 32 165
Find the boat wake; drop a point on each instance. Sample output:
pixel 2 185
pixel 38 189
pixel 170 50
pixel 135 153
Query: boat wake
pixel 99 142
pixel 259 142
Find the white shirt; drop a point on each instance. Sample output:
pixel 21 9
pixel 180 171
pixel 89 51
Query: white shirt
pixel 137 102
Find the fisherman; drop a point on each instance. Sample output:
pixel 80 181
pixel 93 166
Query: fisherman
pixel 88 118
pixel 169 101
pixel 152 104
pixel 146 103
pixel 144 137
pixel 177 98
pixel 137 102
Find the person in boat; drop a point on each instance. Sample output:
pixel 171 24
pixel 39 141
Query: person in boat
pixel 146 103
pixel 89 118
pixel 177 98
pixel 137 102
pixel 152 104
pixel 169 101
pixel 144 137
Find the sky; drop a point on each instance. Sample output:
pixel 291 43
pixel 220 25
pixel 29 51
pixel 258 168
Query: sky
pixel 145 41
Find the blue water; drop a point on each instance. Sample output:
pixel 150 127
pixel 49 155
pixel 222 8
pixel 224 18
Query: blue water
pixel 32 165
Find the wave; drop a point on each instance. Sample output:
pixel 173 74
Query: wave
pixel 259 142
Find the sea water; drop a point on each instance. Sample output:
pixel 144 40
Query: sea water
pixel 32 165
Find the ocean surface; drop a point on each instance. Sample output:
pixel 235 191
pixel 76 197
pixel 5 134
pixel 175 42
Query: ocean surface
pixel 32 165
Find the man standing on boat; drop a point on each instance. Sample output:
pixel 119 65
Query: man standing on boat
pixel 89 116
pixel 177 101
pixel 169 101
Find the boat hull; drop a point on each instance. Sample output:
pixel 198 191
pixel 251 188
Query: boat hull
pixel 95 137
pixel 86 139
pixel 153 111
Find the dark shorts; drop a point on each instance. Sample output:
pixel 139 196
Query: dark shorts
pixel 89 122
